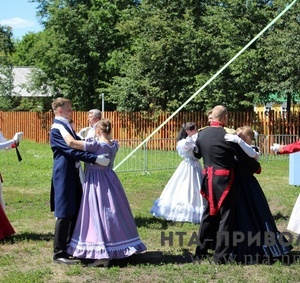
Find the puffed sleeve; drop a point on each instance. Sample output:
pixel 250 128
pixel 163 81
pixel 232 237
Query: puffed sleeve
pixel 185 145
pixel 116 144
pixel 91 145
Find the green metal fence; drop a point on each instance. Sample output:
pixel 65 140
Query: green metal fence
pixel 145 160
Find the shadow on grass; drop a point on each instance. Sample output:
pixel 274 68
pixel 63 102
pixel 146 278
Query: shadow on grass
pixel 150 258
pixel 151 222
pixel 153 258
pixel 157 258
pixel 26 237
pixel 280 216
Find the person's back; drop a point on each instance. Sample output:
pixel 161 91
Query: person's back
pixel 107 149
pixel 214 149
pixel 219 164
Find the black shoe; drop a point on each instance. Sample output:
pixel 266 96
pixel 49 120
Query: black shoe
pixel 68 261
pixel 201 253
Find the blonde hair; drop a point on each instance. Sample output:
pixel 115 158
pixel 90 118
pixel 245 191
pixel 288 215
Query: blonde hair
pixel 246 133
pixel 209 112
pixel 209 115
pixel 60 102
pixel 104 125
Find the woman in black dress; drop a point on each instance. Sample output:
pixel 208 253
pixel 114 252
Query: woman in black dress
pixel 257 238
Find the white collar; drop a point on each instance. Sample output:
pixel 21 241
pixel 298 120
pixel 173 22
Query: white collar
pixel 64 120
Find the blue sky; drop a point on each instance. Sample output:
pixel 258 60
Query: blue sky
pixel 20 15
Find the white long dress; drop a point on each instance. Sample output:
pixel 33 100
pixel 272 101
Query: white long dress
pixel 294 222
pixel 180 201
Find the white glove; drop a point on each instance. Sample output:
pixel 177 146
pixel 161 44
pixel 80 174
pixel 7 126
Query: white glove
pixel 275 147
pixel 102 160
pixel 232 138
pixel 18 137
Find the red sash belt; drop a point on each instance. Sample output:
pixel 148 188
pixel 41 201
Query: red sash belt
pixel 216 172
pixel 215 204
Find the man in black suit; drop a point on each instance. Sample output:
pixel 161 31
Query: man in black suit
pixel 217 186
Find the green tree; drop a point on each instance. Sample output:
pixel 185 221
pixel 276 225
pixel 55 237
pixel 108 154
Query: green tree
pixel 153 55
pixel 158 71
pixel 6 76
pixel 27 50
pixel 80 36
pixel 280 54
pixel 230 26
pixel 176 46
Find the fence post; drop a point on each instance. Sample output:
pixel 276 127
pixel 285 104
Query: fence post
pixel 145 146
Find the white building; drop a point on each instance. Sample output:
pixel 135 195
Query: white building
pixel 22 77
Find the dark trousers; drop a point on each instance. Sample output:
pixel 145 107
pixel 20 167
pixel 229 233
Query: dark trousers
pixel 64 228
pixel 216 231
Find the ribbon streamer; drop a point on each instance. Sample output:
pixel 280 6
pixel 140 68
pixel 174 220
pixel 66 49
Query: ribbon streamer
pixel 18 154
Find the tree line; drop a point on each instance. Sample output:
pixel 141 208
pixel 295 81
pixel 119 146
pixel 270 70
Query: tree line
pixel 147 55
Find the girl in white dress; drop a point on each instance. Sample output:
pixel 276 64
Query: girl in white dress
pixel 180 200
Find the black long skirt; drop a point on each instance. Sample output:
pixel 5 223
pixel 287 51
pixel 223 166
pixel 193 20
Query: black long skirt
pixel 256 237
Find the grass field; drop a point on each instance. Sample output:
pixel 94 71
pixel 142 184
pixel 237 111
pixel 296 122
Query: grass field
pixel 27 256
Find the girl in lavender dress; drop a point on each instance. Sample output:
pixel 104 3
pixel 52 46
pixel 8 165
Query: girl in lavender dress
pixel 181 201
pixel 105 227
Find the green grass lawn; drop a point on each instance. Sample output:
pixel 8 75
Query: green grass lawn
pixel 27 256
